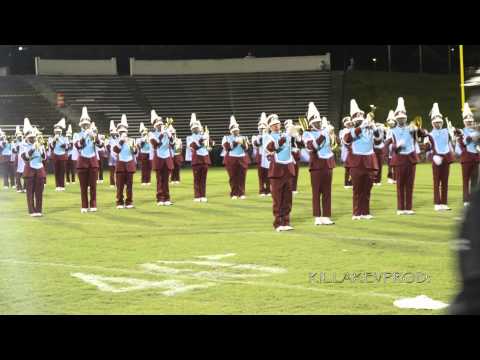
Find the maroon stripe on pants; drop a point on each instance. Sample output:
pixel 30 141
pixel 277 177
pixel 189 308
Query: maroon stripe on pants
pixel 347 179
pixel 59 170
pixel 321 181
pixel 405 177
pixel 440 183
pixel 362 180
pixel 470 179
pixel 124 179
pixel 200 180
pixel 112 175
pixel 163 191
pixel 282 200
pixel 70 170
pixel 88 178
pixel 391 171
pixel 35 185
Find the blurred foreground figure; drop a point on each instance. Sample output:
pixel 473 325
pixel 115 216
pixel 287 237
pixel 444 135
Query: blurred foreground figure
pixel 468 249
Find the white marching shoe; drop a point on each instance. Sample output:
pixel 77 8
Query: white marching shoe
pixel 377 184
pixel 294 192
pixel 356 217
pixel 401 212
pixel 148 184
pixel 243 197
pixel 269 194
pixel 203 199
pixel 234 197
pixel 120 207
pixel 197 199
pixel 161 203
pixel 287 228
pixel 466 204
pixel 348 187
pixel 323 221
pixel 446 207
pixel 92 209
pixel 144 184
pixel 83 211
pixel 280 228
pixel 129 206
pixel 366 217
pixel 409 212
pixel 167 203
pixel 438 207
pixel 262 195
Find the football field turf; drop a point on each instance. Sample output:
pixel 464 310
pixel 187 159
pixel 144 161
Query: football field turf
pixel 223 257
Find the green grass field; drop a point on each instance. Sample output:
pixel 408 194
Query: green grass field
pixel 119 261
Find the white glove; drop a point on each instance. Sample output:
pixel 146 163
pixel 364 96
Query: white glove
pixel 364 124
pixel 400 144
pixel 437 160
pixel 123 137
pixel 205 137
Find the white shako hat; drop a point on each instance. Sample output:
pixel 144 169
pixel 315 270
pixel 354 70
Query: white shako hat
pixel 355 112
pixel 288 123
pixel 142 128
pixel 467 112
pixel 35 132
pixel 262 123
pixel 272 119
pixel 400 111
pixel 233 124
pixel 313 115
pixel 194 123
pixel 113 128
pixel 391 118
pixel 123 125
pixel 154 118
pixel 84 119
pixel 435 114
pixel 346 119
pixel 18 131
pixel 60 125
pixel 69 130
pixel 27 128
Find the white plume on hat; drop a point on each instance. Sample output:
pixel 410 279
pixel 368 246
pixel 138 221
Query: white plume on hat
pixel 154 117
pixel 354 109
pixel 313 114
pixel 194 123
pixel 233 124
pixel 391 115
pixel 142 128
pixel 93 126
pixel 400 111
pixel 263 121
pixel 113 128
pixel 466 111
pixel 61 124
pixel 435 113
pixel 123 125
pixel 84 118
pixel 27 127
pixel 18 131
pixel 69 130
pixel 288 123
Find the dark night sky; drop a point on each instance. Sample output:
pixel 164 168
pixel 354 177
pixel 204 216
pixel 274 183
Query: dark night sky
pixel 404 57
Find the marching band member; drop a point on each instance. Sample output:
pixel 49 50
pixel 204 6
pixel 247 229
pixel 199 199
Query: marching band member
pixel 162 141
pixel 126 166
pixel 144 146
pixel 33 153
pixel 345 150
pixel 7 161
pixel 236 160
pixel 441 154
pixel 72 157
pixel 391 122
pixel 177 157
pixel 112 156
pixel 297 145
pixel 404 158
pixel 261 157
pixel 379 149
pixel 58 148
pixel 469 154
pixel 322 162
pixel 86 143
pixel 18 148
pixel 198 143
pixel 361 161
pixel 102 155
pixel 281 171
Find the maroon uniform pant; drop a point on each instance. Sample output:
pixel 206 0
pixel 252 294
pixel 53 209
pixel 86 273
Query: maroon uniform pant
pixel 440 183
pixel 18 181
pixel 70 170
pixel 163 192
pixel 321 181
pixel 200 180
pixel 146 168
pixel 34 185
pixel 362 180
pixel 347 179
pixel 391 171
pixel 282 200
pixel 295 178
pixel 124 179
pixel 263 181
pixel 378 177
pixel 176 172
pixel 100 169
pixel 470 178
pixel 8 172
pixel 405 177
pixel 88 178
pixel 59 170
pixel 237 175
pixel 112 175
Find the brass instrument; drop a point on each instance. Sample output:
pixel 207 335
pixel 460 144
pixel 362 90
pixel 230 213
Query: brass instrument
pixel 169 122
pixel 451 130
pixel 244 141
pixel 333 138
pixel 415 125
pixel 372 111
pixel 207 141
pixel 302 125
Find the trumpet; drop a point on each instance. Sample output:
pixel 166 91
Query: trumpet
pixel 451 130
pixel 333 139
pixel 207 140
pixel 243 140
pixel 415 125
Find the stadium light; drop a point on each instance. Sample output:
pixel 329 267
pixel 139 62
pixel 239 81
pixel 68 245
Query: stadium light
pixel 20 48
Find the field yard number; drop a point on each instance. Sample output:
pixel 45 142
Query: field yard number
pixel 208 268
